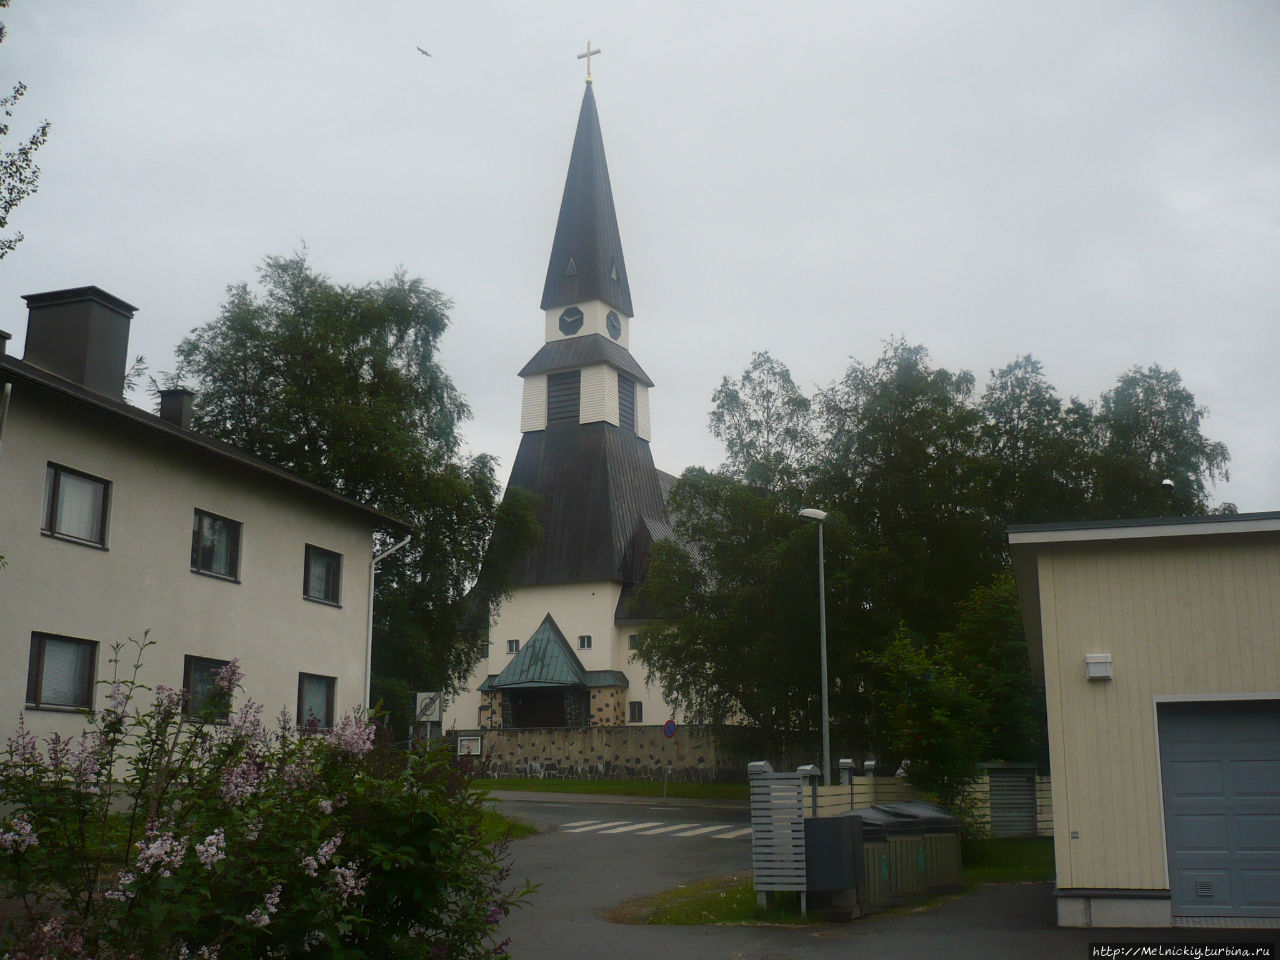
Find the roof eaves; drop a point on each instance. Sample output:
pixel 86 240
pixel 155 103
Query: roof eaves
pixel 149 421
pixel 1145 529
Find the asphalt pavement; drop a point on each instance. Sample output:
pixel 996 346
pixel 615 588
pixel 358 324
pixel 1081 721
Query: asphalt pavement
pixel 583 873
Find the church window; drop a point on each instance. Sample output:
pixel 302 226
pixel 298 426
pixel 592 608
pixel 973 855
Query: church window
pixel 564 397
pixel 626 403
pixel 635 712
pixel 631 641
pixel 584 641
pixel 513 646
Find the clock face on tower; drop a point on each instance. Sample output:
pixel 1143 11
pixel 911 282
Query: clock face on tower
pixel 614 325
pixel 571 321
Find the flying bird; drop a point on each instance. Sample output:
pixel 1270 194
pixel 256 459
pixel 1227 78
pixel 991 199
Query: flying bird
pixel 423 52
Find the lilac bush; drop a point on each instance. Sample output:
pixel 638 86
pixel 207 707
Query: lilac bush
pixel 158 835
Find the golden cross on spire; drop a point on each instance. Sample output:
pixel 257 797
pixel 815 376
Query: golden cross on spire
pixel 587 56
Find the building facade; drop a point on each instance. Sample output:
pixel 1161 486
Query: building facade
pixel 115 523
pixel 1158 642
pixel 561 648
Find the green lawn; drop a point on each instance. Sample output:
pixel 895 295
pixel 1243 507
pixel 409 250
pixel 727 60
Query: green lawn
pixel 620 788
pixel 732 899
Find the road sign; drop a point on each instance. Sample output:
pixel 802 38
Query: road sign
pixel 669 729
pixel 430 706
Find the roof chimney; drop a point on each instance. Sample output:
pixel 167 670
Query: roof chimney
pixel 175 406
pixel 5 337
pixel 82 335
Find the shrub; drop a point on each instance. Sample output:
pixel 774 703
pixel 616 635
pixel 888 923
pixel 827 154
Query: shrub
pixel 159 835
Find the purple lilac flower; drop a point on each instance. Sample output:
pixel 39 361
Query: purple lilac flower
pixel 353 735
pixel 213 849
pixel 229 677
pixel 327 849
pixel 23 746
pixel 168 700
pixel 21 838
pixel 495 914
pixel 123 889
pixel 348 882
pixel 261 916
pixel 243 780
pixel 160 848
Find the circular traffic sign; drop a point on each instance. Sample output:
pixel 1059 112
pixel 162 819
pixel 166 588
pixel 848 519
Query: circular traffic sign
pixel 669 729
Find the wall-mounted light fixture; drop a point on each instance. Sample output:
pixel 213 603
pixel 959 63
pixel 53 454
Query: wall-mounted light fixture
pixel 1097 666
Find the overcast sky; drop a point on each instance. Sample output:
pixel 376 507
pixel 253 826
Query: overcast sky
pixel 1094 183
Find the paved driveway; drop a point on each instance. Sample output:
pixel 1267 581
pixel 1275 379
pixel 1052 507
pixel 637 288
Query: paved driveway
pixel 584 872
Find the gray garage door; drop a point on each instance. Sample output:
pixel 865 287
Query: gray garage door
pixel 1220 770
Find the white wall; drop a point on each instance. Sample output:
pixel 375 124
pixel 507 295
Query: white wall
pixel 594 320
pixel 578 609
pixel 143 580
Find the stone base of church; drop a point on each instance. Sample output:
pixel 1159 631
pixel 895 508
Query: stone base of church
pixel 605 753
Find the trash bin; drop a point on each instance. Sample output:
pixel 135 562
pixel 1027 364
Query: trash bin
pixel 833 865
pixel 938 854
pixel 874 871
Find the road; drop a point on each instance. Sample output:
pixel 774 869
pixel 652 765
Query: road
pixel 600 852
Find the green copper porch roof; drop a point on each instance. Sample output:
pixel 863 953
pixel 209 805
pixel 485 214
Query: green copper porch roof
pixel 544 660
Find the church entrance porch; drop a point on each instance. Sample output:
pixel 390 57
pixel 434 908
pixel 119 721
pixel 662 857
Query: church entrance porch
pixel 544 707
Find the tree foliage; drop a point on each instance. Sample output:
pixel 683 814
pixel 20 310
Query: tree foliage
pixel 920 476
pixel 764 422
pixel 19 174
pixel 340 384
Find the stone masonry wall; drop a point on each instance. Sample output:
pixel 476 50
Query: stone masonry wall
pixel 608 706
pixel 600 752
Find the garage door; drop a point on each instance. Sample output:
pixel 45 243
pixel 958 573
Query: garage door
pixel 1220 771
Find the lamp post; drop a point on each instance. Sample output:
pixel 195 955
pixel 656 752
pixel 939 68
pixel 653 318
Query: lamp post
pixel 820 517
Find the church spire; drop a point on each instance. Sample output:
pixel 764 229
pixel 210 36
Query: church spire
pixel 586 255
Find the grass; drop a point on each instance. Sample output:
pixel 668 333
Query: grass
pixel 732 899
pixel 727 899
pixel 621 788
pixel 1007 861
pixel 494 825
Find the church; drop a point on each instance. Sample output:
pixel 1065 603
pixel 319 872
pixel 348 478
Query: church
pixel 561 646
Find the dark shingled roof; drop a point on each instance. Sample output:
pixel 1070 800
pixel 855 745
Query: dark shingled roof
pixel 577 352
pixel 601 501
pixel 586 255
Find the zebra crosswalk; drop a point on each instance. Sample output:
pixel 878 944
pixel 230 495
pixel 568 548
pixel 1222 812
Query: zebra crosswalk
pixel 653 828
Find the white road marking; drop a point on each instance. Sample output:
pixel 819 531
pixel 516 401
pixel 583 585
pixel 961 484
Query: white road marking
pixel 694 833
pixel 632 826
pixel 579 823
pixel 597 826
pixel 735 833
pixel 674 826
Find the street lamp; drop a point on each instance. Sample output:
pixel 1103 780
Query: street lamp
pixel 820 517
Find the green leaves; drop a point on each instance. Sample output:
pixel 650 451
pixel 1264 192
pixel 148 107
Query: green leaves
pixel 340 385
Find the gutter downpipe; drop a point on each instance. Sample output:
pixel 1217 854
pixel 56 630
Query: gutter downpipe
pixel 368 639
pixel 4 407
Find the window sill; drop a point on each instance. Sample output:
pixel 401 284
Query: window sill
pixel 323 603
pixel 58 708
pixel 214 576
pixel 91 544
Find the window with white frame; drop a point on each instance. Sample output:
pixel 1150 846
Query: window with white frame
pixel 200 688
pixel 513 646
pixel 215 545
pixel 75 505
pixel 584 641
pixel 315 701
pixel 322 575
pixel 60 672
pixel 635 711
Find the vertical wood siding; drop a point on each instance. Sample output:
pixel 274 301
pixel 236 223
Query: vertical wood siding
pixel 599 395
pixel 1192 616
pixel 533 411
pixel 642 413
